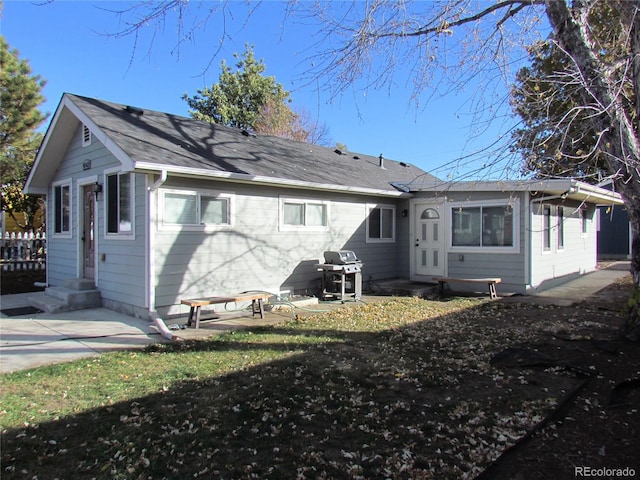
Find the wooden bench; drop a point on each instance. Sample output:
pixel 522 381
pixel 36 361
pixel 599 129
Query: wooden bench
pixel 197 303
pixel 489 281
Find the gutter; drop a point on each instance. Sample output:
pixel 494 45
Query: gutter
pixel 274 181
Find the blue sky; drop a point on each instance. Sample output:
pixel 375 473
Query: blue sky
pixel 68 44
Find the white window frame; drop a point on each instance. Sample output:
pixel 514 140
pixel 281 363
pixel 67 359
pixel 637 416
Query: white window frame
pixel 124 235
pixel 584 222
pixel 198 226
pixel 284 227
pixel 514 203
pixel 547 227
pixel 86 135
pixel 381 206
pixel 67 182
pixel 560 237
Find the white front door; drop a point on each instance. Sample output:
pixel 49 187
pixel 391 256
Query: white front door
pixel 429 239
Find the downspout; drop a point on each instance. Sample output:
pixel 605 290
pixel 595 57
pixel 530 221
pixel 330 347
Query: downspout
pixel 159 322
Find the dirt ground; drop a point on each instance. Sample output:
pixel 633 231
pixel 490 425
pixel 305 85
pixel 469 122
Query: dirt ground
pixel 595 432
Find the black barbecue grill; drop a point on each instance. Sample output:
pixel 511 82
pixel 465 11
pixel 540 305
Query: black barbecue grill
pixel 341 275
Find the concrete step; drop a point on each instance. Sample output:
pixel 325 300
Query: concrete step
pixel 48 304
pixel 80 284
pixel 75 299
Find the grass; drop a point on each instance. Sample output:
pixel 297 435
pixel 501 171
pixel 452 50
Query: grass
pixel 399 389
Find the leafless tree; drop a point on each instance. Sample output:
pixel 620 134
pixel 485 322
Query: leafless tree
pixel 443 46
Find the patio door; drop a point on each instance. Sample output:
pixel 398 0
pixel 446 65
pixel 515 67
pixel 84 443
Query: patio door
pixel 89 233
pixel 429 239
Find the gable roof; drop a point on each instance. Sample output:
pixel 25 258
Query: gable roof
pixel 147 140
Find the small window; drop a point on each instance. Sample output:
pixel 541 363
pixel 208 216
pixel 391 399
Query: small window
pixel 585 220
pixel 560 228
pixel 119 200
pixel 303 214
pixel 195 209
pixel 429 213
pixel 381 223
pixel 62 208
pixel 546 228
pixel 86 136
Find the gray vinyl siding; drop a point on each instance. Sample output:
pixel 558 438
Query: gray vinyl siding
pixel 121 259
pixel 255 254
pixel 121 276
pixel 579 255
pixel 470 263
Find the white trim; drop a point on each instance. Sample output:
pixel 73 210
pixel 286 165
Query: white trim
pixel 196 227
pixel 371 206
pixel 61 183
pixel 105 195
pixel 81 183
pixel 515 205
pixel 264 180
pixel 125 160
pixel 86 135
pixel 283 227
pixel 560 228
pixel 549 250
pixel 567 188
pixel 415 206
pixel 584 222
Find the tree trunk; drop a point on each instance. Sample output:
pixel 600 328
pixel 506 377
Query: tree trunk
pixel 620 139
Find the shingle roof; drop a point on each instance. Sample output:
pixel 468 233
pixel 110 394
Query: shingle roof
pixel 179 143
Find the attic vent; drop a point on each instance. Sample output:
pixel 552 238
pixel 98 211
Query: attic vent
pixel 134 110
pixel 403 164
pixel 245 133
pixel 339 152
pixel 356 157
pixel 86 136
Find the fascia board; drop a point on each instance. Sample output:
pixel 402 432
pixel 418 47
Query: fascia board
pixel 58 121
pixel 125 160
pixel 574 189
pixel 28 189
pixel 264 180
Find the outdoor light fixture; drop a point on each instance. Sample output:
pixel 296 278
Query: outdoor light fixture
pixel 97 188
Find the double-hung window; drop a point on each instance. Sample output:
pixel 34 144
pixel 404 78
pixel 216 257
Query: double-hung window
pixel 560 228
pixel 303 214
pixel 62 208
pixel 381 223
pixel 119 203
pixel 546 228
pixel 484 226
pixel 195 210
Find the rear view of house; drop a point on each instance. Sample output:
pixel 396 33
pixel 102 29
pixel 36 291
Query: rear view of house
pixel 146 208
pixel 151 208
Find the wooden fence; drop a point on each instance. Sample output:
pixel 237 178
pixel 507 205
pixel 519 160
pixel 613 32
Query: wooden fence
pixel 23 251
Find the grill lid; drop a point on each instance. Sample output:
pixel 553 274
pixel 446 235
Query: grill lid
pixel 340 257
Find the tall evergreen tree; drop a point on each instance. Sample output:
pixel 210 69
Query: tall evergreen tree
pixel 20 96
pixel 240 96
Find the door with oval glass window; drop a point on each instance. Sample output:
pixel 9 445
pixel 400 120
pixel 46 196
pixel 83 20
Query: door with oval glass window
pixel 429 239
